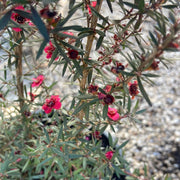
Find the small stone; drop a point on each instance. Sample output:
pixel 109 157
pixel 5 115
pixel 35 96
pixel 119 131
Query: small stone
pixel 169 101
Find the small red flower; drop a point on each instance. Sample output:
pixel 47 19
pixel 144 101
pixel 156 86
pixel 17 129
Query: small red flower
pixel 73 54
pixel 52 103
pixel 93 4
pixel 154 66
pixel 32 96
pixel 108 88
pixel 109 155
pixel 18 18
pixel 93 89
pixel 96 134
pixel 49 50
pixel 174 45
pixel 113 114
pixel 38 81
pixel 108 99
pixel 18 160
pixel 133 89
pixel 46 13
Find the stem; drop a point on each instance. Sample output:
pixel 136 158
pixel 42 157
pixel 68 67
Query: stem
pixel 19 74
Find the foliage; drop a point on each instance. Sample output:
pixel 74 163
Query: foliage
pixel 110 60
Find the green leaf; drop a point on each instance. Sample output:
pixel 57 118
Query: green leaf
pixel 140 4
pixel 78 67
pixel 129 104
pixel 143 91
pixel 65 68
pixel 75 156
pixel 71 3
pixel 98 15
pixel 153 38
pixel 140 111
pixel 109 5
pixel 40 51
pixel 99 42
pixel 45 161
pixel 61 51
pixel 171 6
pixel 54 56
pixel 90 75
pixel 39 24
pixel 5 19
pixel 134 6
pixel 47 135
pixel 105 111
pixel 70 14
pixel 122 145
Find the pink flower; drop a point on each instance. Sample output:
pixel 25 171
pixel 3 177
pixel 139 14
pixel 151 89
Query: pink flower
pixel 69 33
pixel 109 155
pixel 18 18
pixel 113 114
pixel 93 4
pixel 18 160
pixel 37 81
pixel 52 103
pixel 108 88
pixel 49 50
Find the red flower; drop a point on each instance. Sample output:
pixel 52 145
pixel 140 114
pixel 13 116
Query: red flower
pixel 18 18
pixel 52 103
pixel 109 155
pixel 93 4
pixel 46 13
pixel 154 66
pixel 96 134
pixel 38 81
pixel 32 96
pixel 108 99
pixel 49 50
pixel 93 89
pixel 108 88
pixel 113 114
pixel 133 89
pixel 73 54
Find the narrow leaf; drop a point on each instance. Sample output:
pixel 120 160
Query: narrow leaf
pixel 109 5
pixel 5 19
pixel 105 111
pixel 143 91
pixel 39 24
pixel 40 51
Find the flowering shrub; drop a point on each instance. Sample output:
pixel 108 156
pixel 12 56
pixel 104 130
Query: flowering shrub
pixel 108 59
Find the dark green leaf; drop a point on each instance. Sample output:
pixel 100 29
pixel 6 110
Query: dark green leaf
pixel 39 24
pixel 172 6
pixel 153 38
pixel 71 3
pixel 150 75
pixel 172 17
pixel 134 6
pixel 70 14
pixel 98 15
pixel 143 91
pixel 105 111
pixel 54 56
pixel 5 19
pixel 45 161
pixel 90 75
pixel 47 135
pixel 140 4
pixel 61 51
pixel 129 104
pixel 122 145
pixel 40 51
pixel 140 111
pixel 109 5
pixel 64 68
pixel 99 42
pixel 78 67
